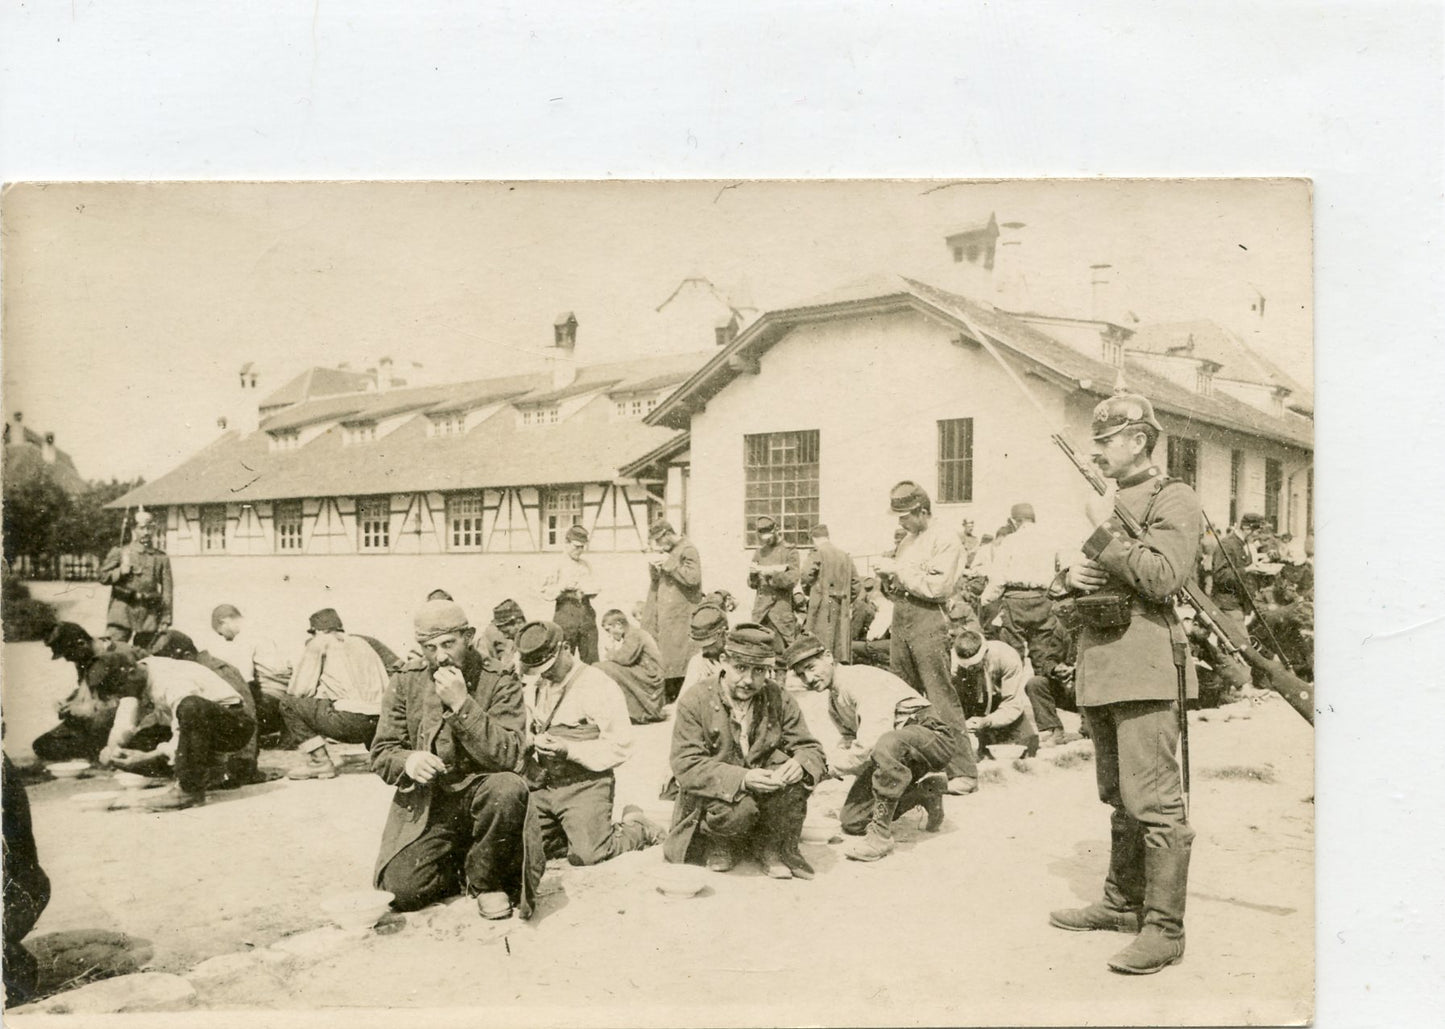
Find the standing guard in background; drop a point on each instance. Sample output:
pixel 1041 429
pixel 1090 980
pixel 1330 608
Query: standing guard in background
pixel 675 590
pixel 1132 654
pixel 926 564
pixel 572 585
pixel 141 593
pixel 831 581
pixel 774 574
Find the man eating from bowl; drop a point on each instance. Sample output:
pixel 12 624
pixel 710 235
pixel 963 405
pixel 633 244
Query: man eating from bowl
pixel 891 741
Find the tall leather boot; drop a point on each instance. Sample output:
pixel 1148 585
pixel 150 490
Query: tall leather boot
pixel 877 842
pixel 782 830
pixel 1120 910
pixel 1161 941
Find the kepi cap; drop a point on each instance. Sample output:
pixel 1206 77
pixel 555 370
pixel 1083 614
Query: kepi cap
pixel 1022 512
pixel 508 612
pixel 906 496
pixel 326 620
pixel 660 528
pixel 708 623
pixel 752 644
pixel 577 534
pixel 801 649
pixel 538 645
pixel 764 524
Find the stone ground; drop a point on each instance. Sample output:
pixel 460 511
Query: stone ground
pixel 951 929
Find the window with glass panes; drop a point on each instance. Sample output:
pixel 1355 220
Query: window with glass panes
pixel 561 509
pixel 955 461
pixel 288 521
pixel 1183 459
pixel 1236 475
pixel 464 521
pixel 780 480
pixel 213 529
pixel 373 522
pixel 1273 483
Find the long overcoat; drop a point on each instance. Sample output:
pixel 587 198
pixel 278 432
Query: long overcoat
pixel 708 763
pixel 773 604
pixel 674 594
pixel 1136 662
pixel 831 580
pixel 488 726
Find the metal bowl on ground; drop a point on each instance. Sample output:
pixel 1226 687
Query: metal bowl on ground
pixel 68 769
pixel 357 909
pixel 135 781
pixel 1006 752
pixel 820 830
pixel 96 801
pixel 674 880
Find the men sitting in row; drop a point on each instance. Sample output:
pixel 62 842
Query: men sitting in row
pixel 577 732
pixel 632 660
pixel 891 741
pixel 744 763
pixel 335 693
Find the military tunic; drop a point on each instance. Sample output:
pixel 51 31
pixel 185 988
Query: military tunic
pixel 773 605
pixel 141 598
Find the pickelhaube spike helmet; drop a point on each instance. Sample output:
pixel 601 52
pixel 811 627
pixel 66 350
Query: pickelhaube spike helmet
pixel 1119 412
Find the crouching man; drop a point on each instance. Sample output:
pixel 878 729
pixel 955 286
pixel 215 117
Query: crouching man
pixel 989 676
pixel 744 762
pixel 577 733
pixel 450 741
pixel 891 741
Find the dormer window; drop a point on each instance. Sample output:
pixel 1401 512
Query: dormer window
pixel 1204 382
pixel 635 407
pixel 354 433
pixel 453 423
pixel 286 439
pixel 541 415
pixel 1113 352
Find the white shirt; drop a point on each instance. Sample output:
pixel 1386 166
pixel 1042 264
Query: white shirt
pixel 587 696
pixel 569 574
pixel 927 563
pixel 1024 557
pixel 171 681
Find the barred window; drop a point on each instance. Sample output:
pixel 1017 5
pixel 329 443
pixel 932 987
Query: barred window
pixel 561 509
pixel 1236 475
pixel 373 520
pixel 955 461
pixel 1273 484
pixel 464 521
pixel 780 475
pixel 288 520
pixel 1183 459
pixel 213 529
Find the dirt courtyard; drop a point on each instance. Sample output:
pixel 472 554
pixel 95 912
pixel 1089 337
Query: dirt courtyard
pixel 951 929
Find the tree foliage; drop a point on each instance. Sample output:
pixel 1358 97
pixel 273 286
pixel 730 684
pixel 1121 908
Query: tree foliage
pixel 42 521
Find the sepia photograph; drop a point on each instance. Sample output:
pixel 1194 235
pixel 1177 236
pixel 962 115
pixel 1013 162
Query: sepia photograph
pixel 707 602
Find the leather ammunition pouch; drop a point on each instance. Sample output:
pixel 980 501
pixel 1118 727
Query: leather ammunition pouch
pixel 1102 610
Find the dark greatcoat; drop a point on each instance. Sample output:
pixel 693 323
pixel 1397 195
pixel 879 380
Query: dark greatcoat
pixel 831 581
pixel 488 732
pixel 674 594
pixel 1136 662
pixel 773 605
pixel 708 764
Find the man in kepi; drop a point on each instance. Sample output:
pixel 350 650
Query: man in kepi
pixel 773 573
pixel 335 693
pixel 577 733
pixel 571 585
pixel 498 638
pixel 450 741
pixel 139 577
pixel 675 575
pixel 744 762
pixel 1130 645
pixel 923 569
pixel 890 740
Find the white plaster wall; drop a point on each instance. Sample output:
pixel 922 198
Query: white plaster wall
pixel 874 388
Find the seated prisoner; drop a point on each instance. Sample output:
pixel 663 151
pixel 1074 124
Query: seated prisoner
pixel 631 659
pixel 989 677
pixel 744 762
pixel 577 733
pixel 335 693
pixel 450 741
pixel 891 742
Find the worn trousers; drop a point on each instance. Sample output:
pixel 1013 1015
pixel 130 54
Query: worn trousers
pixel 472 841
pixel 577 822
pixel 1047 697
pixel 919 656
pixel 773 820
pixel 1137 770
pixel 306 717
pixel 899 759
pixel 206 729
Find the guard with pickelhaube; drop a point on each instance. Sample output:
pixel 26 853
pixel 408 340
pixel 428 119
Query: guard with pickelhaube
pixel 1132 652
pixel 141 594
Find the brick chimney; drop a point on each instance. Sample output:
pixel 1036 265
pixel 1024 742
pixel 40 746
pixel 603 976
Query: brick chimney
pixel 1011 284
pixel 564 350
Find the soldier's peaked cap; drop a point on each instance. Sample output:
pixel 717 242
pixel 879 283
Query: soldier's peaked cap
pixel 1119 412
pixel 538 644
pixel 906 496
pixel 801 649
pixel 764 524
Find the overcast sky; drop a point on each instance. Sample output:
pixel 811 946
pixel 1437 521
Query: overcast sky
pixel 130 307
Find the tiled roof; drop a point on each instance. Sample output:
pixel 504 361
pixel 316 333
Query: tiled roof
pixel 588 447
pixel 1236 358
pixel 318 382
pixel 1014 336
